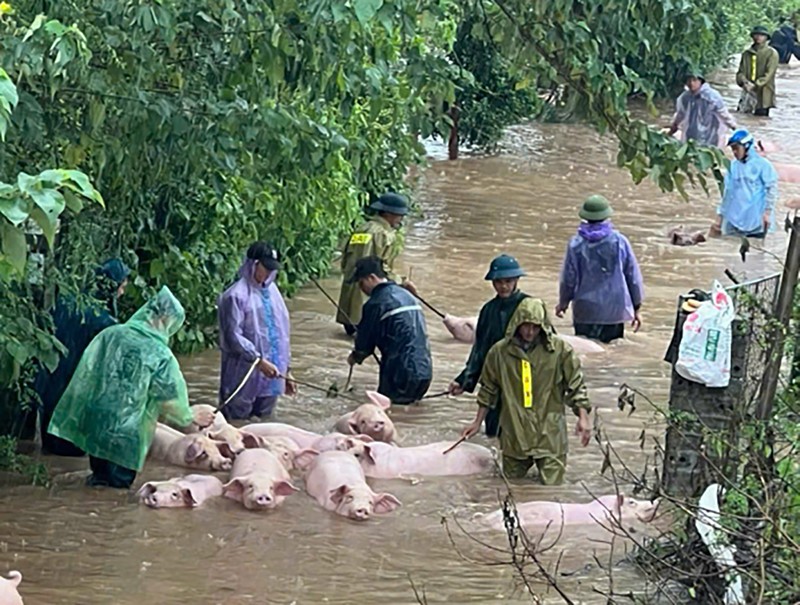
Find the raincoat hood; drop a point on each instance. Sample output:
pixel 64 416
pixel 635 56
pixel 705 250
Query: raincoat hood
pixel 532 310
pixel 248 272
pixel 162 316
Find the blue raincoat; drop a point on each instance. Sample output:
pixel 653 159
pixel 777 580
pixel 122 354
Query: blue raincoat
pixel 751 188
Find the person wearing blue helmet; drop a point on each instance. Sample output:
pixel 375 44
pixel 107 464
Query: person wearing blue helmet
pixel 504 273
pixel 750 191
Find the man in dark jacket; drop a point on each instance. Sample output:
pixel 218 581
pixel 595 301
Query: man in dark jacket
pixel 504 273
pixel 784 40
pixel 392 321
pixel 76 326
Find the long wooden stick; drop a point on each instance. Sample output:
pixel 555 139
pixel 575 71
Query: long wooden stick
pixel 455 445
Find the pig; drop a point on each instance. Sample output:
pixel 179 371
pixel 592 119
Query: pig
pixel 679 237
pixel 283 448
pixel 788 173
pixel 192 451
pixel 462 328
pixel 538 515
pixel 581 345
pixel 180 492
pixel 369 419
pixel 237 439
pixel 258 480
pixel 303 438
pixel 337 482
pixel 339 441
pixel 8 589
pixel 383 461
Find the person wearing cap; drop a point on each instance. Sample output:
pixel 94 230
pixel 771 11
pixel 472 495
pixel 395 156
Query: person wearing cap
pixel 378 237
pixel 750 191
pixel 600 277
pixel 76 324
pixel 392 321
pixel 756 75
pixel 504 273
pixel 701 114
pixel 254 329
pixel 533 376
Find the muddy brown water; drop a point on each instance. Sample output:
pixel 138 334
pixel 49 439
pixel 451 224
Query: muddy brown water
pixel 76 545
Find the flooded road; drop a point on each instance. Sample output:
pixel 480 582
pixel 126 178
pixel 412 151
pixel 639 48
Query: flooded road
pixel 75 545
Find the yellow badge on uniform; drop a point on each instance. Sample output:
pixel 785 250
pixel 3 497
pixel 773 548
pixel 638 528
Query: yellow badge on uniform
pixel 527 385
pixel 360 238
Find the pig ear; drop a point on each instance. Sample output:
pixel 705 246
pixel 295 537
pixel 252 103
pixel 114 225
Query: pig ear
pixel 284 488
pixel 194 452
pixel 225 450
pixel 250 441
pixel 338 494
pixel 353 426
pixel 304 458
pixel 368 455
pixel 385 503
pixel 364 438
pixel 147 489
pixel 233 489
pixel 188 497
pixel 382 401
pixel 618 504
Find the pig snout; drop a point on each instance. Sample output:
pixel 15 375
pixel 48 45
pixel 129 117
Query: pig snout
pixel 264 500
pixel 222 464
pixel 360 514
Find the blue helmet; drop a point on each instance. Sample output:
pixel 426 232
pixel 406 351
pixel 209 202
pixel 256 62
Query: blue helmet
pixel 504 267
pixel 741 137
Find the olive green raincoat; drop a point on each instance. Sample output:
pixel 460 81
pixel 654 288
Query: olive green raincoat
pixel 125 380
pixel 376 237
pixel 533 387
pixel 759 64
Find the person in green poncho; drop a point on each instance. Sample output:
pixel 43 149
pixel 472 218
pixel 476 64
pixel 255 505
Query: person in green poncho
pixel 375 237
pixel 756 74
pixel 533 375
pixel 504 273
pixel 126 380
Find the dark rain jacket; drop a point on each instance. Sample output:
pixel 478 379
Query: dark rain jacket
pixel 392 321
pixel 533 387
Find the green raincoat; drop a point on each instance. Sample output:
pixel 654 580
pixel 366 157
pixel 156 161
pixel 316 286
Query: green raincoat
pixel 759 64
pixel 532 419
pixel 126 379
pixel 376 237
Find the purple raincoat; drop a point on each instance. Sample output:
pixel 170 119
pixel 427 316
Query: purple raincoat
pixel 600 276
pixel 253 323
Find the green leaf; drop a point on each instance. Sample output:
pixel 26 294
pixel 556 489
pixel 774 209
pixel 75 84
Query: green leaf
pixel 14 246
pixel 366 9
pixel 49 200
pixel 74 203
pixel 47 223
pixel 12 205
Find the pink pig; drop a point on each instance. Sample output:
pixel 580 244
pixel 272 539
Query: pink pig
pixel 538 515
pixel 303 438
pixel 462 328
pixel 337 482
pixel 339 441
pixel 237 439
pixel 283 448
pixel 258 480
pixel 383 461
pixel 369 419
pixel 8 589
pixel 189 491
pixel 191 451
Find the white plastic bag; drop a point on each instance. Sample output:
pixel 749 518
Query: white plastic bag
pixel 705 352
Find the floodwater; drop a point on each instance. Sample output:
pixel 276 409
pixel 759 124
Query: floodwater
pixel 80 546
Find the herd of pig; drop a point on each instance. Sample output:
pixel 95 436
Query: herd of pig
pixel 260 459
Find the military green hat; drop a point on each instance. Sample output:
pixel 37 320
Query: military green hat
pixel 595 208
pixel 504 267
pixel 393 203
pixel 760 29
